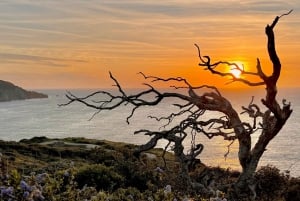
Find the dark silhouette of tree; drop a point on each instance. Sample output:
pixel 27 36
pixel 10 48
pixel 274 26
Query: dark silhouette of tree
pixel 194 103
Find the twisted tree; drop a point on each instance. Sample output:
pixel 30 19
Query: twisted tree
pixel 193 105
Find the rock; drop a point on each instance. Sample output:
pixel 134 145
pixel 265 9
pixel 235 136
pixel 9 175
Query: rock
pixel 10 92
pixel 147 158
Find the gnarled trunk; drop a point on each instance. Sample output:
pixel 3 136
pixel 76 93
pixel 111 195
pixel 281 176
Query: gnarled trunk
pixel 228 124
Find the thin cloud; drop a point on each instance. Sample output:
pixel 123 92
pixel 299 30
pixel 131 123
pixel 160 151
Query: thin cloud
pixel 130 30
pixel 22 58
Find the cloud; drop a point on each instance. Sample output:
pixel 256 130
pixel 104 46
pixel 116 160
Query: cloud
pixel 107 31
pixel 98 20
pixel 47 61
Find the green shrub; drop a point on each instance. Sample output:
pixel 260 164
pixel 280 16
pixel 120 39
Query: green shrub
pixel 128 194
pixel 136 176
pixel 98 176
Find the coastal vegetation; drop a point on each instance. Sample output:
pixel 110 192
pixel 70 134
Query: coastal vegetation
pixel 69 169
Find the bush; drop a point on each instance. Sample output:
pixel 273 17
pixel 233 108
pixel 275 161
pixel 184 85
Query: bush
pixel 293 191
pixel 270 182
pixel 98 176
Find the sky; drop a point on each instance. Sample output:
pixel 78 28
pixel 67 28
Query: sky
pixel 68 44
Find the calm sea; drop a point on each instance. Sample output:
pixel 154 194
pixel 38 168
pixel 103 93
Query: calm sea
pixel 43 117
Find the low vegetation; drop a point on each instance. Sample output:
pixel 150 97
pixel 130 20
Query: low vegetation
pixel 70 170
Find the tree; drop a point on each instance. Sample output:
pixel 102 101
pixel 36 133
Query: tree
pixel 194 105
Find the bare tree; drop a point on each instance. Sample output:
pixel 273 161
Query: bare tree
pixel 194 103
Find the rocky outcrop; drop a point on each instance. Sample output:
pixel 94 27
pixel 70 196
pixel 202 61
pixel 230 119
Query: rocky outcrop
pixel 10 92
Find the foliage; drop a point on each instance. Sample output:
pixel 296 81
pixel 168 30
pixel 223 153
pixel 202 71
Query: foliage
pixel 64 179
pixel 99 176
pixel 271 183
pixel 292 192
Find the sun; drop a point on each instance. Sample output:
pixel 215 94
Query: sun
pixel 236 72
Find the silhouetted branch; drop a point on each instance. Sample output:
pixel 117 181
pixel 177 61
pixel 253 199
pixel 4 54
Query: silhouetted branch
pixel 171 117
pixel 193 105
pixel 253 111
pixel 206 62
pixel 228 149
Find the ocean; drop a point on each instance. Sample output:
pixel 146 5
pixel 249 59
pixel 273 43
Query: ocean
pixel 43 117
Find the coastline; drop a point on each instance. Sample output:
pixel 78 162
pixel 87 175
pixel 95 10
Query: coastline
pixel 43 117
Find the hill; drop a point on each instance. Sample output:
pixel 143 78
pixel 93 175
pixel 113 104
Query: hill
pixel 10 92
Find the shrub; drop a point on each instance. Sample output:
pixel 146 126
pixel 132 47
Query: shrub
pixel 137 176
pixel 293 191
pixel 98 176
pixel 270 182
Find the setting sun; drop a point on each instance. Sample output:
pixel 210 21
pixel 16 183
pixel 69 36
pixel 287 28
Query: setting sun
pixel 235 72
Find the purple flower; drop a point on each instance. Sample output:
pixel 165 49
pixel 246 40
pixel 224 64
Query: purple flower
pixel 158 169
pixel 24 186
pixel 6 191
pixel 26 194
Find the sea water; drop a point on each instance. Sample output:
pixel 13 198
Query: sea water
pixel 44 117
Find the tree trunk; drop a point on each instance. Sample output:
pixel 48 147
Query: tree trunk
pixel 184 174
pixel 272 126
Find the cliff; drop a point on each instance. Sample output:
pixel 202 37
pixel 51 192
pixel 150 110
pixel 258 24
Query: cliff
pixel 10 92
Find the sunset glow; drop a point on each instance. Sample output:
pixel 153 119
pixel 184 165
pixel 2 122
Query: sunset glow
pixel 236 72
pixel 62 44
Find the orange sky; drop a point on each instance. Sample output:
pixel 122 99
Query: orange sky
pixel 74 44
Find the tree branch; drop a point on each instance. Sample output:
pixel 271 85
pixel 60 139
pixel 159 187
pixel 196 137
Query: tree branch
pixel 193 105
pixel 206 62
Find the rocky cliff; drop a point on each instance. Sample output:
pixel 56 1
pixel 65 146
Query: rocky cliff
pixel 10 92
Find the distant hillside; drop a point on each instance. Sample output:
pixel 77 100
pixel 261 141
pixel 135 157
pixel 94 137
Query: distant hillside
pixel 10 92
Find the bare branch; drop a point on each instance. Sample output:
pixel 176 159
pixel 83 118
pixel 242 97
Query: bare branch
pixel 253 111
pixel 155 79
pixel 173 115
pixel 206 62
pixel 228 149
pixel 193 104
pixel 286 13
pixel 278 17
pixel 164 153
